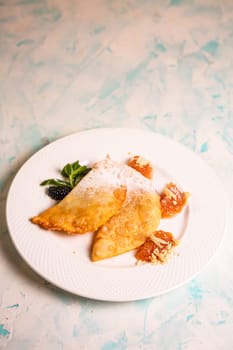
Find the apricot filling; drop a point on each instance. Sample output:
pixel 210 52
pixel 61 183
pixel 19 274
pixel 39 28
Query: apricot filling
pixel 142 165
pixel 157 248
pixel 172 200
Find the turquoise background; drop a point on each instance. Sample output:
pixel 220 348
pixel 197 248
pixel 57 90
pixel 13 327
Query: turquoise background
pixel 164 66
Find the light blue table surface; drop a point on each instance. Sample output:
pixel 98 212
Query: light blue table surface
pixel 164 66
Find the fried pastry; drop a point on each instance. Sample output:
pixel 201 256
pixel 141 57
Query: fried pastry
pixel 95 199
pixel 129 228
pixel 139 216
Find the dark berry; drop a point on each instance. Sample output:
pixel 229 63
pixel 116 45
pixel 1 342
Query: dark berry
pixel 58 192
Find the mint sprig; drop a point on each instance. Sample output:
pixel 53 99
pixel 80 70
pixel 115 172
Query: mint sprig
pixel 72 174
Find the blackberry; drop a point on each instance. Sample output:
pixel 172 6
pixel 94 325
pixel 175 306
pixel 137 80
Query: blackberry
pixel 58 192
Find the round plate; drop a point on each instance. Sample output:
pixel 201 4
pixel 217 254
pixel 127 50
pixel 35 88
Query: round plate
pixel 64 260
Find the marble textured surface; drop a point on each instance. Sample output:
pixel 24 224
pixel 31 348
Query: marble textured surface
pixel 73 65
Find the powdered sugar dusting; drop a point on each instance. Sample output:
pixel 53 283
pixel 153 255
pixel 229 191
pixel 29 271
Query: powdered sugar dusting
pixel 108 173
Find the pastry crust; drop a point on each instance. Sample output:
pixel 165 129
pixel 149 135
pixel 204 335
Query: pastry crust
pixel 114 201
pixel 129 228
pixel 82 212
pixel 96 198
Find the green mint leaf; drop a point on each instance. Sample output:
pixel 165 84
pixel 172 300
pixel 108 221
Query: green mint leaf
pixel 83 171
pixel 80 170
pixel 75 165
pixel 77 179
pixel 79 176
pixel 72 174
pixel 54 182
pixel 67 170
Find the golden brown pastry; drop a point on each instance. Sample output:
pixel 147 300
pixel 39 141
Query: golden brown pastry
pixel 139 216
pixel 129 228
pixel 96 198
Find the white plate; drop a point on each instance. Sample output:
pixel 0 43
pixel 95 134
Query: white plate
pixel 64 260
